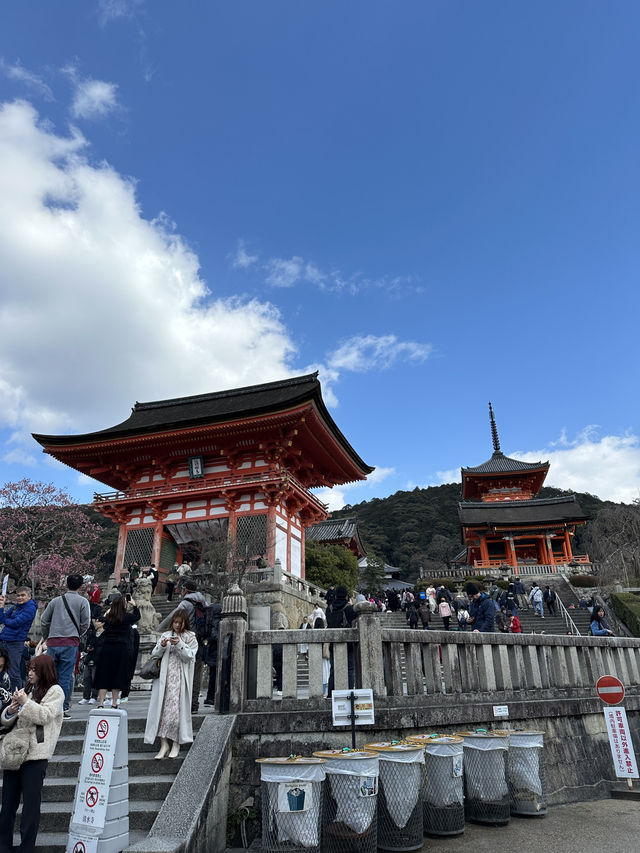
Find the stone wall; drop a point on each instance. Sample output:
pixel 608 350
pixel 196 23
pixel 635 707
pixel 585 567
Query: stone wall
pixel 577 757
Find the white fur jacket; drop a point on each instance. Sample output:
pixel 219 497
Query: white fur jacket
pixel 47 714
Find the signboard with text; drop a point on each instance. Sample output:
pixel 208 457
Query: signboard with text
pixel 92 793
pixel 363 707
pixel 624 759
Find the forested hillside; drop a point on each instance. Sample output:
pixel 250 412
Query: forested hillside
pixel 421 527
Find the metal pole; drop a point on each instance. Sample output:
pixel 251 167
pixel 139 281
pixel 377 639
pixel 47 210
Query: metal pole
pixel 352 699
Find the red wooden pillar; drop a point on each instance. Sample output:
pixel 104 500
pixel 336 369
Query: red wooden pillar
pixel 484 551
pixel 231 535
pixel 122 545
pixel 271 534
pixel 156 548
pixel 567 546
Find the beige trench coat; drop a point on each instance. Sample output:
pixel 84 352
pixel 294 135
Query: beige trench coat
pixel 186 650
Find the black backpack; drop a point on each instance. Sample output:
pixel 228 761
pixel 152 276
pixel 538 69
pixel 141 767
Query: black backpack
pixel 200 620
pixel 333 610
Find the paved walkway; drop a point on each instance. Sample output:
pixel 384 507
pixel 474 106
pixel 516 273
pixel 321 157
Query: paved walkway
pixel 610 826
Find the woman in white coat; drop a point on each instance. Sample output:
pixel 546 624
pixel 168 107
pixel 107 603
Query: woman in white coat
pixel 169 715
pixel 35 716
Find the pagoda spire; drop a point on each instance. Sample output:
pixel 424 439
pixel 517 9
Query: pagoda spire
pixel 494 431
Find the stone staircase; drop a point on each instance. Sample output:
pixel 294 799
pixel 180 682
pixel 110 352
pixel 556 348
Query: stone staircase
pixel 149 780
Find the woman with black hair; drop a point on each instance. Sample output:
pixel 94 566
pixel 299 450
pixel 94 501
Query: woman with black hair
pixel 35 711
pixel 599 627
pixel 112 665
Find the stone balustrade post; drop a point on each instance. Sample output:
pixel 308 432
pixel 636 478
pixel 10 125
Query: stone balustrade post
pixel 231 669
pixel 370 647
pixel 277 572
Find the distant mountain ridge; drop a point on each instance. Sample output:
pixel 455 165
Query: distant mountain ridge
pixel 410 528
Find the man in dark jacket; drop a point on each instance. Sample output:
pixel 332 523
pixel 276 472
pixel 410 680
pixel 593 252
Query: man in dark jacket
pixel 340 614
pixel 17 622
pixel 482 611
pixel 211 653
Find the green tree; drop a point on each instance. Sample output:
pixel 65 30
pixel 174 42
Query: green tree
pixel 330 565
pixel 372 577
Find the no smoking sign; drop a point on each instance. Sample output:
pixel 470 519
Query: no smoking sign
pixel 102 729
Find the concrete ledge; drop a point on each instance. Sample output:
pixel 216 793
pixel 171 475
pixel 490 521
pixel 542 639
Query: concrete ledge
pixel 193 817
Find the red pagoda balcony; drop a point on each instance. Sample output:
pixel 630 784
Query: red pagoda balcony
pixel 530 567
pixel 194 488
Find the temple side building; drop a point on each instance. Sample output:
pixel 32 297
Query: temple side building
pixel 338 531
pixel 236 466
pixel 503 521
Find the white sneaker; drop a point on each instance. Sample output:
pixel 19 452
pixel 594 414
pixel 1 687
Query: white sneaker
pixel 92 701
pixel 84 701
pixel 124 699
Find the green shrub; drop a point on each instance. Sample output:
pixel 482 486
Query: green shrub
pixel 450 583
pixel 584 580
pixel 626 606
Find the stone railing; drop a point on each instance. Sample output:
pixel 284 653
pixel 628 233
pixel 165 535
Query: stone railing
pixel 408 667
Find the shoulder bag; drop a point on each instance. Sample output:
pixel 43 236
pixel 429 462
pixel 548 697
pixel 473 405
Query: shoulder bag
pixel 151 668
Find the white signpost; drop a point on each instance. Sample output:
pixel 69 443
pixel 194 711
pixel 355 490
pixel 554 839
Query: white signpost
pixel 624 759
pixel 100 819
pixel 611 690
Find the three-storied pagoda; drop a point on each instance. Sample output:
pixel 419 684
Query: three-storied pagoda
pixel 235 465
pixel 504 523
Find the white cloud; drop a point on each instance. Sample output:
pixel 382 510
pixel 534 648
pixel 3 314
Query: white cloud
pixel 22 75
pixel 607 466
pixel 242 259
pixel 17 456
pixel 338 496
pixel 93 99
pixel 288 272
pixel 111 10
pixel 366 352
pixel 101 306
pixel 284 273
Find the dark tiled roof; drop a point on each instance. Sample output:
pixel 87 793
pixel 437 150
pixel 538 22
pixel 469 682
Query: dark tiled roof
pixel 535 511
pixel 203 408
pixel 332 530
pixel 499 463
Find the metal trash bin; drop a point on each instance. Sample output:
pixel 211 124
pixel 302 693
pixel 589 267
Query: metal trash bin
pixel 291 803
pixel 527 781
pixel 443 808
pixel 486 773
pixel 349 823
pixel 402 782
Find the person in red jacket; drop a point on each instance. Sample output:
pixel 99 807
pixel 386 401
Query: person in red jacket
pixel 515 626
pixel 95 594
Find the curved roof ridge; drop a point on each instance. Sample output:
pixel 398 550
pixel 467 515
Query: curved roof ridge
pixel 499 463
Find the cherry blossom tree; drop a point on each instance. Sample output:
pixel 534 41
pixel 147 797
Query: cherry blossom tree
pixel 44 535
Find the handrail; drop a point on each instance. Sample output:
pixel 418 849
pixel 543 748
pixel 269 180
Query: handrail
pixel 568 621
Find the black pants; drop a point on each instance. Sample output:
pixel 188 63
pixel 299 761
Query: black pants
pixel 169 587
pixel 26 782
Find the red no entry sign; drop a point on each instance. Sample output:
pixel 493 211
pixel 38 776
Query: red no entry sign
pixel 610 689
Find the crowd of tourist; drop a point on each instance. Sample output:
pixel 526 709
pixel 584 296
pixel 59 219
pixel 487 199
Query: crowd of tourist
pixel 96 643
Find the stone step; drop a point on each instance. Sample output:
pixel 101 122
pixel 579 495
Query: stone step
pixel 56 842
pixel 140 764
pixel 155 787
pixel 72 745
pixel 54 817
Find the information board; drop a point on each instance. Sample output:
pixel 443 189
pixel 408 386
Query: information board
pixel 92 793
pixel 624 759
pixel 363 707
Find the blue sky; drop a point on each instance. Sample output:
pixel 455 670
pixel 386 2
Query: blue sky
pixel 435 204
